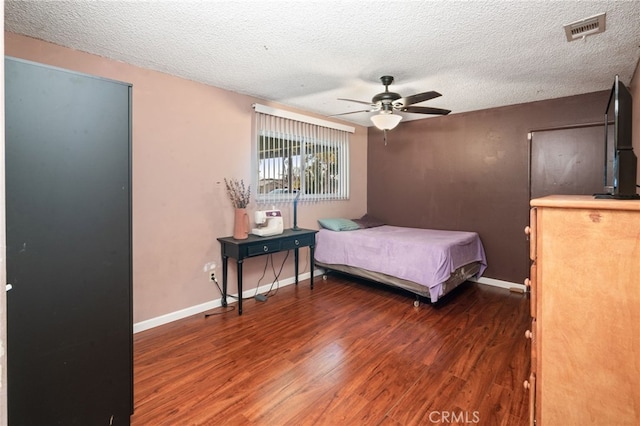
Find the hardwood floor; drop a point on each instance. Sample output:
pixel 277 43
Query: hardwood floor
pixel 345 353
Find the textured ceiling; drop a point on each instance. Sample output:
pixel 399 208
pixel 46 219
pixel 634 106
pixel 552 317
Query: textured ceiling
pixel 306 54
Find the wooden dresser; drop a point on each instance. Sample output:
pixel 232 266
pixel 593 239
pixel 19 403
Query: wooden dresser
pixel 585 308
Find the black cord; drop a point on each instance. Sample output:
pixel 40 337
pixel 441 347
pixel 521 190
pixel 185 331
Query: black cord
pixel 215 280
pixel 264 271
pixel 277 276
pixel 229 308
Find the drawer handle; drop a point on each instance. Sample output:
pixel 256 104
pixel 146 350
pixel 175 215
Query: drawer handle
pixel 527 230
pixel 527 282
pixel 297 242
pixel 528 334
pixel 526 384
pixel 265 248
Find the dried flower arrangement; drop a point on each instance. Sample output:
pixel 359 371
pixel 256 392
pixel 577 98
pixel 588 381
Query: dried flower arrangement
pixel 238 194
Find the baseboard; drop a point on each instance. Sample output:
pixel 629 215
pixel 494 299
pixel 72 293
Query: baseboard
pixel 203 307
pixel 499 283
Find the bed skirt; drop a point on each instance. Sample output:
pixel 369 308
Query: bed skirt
pixel 459 276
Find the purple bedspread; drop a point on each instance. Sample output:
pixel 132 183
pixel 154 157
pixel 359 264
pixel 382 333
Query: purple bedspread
pixel 425 256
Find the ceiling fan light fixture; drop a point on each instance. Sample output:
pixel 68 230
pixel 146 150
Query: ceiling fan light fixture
pixel 386 120
pixel 387 102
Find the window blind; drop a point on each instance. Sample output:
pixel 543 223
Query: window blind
pixel 299 157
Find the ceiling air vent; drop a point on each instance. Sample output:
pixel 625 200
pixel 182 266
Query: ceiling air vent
pixel 586 27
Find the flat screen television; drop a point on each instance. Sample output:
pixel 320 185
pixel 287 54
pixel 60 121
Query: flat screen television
pixel 620 162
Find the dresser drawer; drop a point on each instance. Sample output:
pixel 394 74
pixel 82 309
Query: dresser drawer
pixel 531 284
pixel 532 232
pixel 266 247
pixel 296 242
pixel 530 386
pixel 531 335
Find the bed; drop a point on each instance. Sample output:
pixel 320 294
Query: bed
pixel 426 262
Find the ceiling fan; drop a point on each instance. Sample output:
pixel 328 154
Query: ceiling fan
pixel 386 102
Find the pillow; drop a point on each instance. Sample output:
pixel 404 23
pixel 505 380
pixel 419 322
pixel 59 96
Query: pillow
pixel 338 224
pixel 367 221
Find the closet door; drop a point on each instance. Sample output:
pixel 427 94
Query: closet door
pixel 567 161
pixel 69 313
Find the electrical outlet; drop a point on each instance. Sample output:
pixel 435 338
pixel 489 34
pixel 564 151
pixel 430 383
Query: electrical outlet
pixel 210 268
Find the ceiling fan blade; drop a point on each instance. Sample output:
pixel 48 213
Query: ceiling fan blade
pixel 354 100
pixel 425 110
pixel 353 112
pixel 414 99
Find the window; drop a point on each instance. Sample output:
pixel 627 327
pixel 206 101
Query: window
pixel 299 156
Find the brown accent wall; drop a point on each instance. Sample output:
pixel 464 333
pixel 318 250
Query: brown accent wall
pixel 469 172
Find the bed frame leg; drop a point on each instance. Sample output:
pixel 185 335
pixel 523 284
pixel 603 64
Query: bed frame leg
pixel 416 302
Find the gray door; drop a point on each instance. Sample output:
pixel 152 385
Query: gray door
pixel 69 314
pixel 567 161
